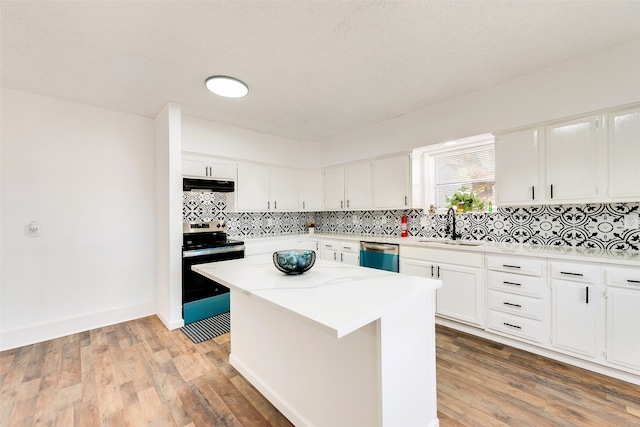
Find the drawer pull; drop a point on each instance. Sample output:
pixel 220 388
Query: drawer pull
pixel 512 326
pixel 568 273
pixel 512 283
pixel 633 281
pixel 587 297
pixel 512 304
pixel 431 270
pixel 511 266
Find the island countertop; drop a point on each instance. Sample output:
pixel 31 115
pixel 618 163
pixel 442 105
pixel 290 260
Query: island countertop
pixel 333 297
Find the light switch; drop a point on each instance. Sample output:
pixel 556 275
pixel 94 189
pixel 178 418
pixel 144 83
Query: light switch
pixel 34 229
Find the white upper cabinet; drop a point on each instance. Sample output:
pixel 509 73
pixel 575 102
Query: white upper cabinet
pixel 624 152
pixel 381 183
pixel 357 177
pixel 253 187
pixel 391 178
pixel 559 163
pixel 334 188
pixel 310 189
pixel 517 168
pixel 207 167
pixel 266 188
pixel 572 170
pixel 284 188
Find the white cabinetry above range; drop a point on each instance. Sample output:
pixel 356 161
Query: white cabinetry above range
pixel 200 166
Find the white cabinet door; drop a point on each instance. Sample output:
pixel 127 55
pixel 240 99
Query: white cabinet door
pixel 517 168
pixel 207 167
pixel 310 190
pixel 312 245
pixel 351 258
pixel 284 189
pixel 461 296
pixel 572 161
pixel 357 179
pixel 624 152
pixel 417 267
pixel 334 188
pixel 392 182
pixel 194 166
pixel 253 187
pixel 573 317
pixel 623 318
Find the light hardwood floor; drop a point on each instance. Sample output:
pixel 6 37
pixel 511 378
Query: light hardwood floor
pixel 138 373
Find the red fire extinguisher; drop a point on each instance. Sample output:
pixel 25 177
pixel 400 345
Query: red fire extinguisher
pixel 403 226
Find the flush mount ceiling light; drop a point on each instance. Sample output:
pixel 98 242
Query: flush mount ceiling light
pixel 226 86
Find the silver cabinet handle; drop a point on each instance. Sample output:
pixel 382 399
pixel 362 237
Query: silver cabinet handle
pixel 275 204
pixel 405 200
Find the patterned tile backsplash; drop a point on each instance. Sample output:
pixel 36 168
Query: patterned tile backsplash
pixel 589 225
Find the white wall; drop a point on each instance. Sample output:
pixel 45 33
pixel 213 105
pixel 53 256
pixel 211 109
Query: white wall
pixel 87 174
pixel 169 216
pixel 203 136
pixel 598 81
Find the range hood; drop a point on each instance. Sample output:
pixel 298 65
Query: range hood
pixel 214 185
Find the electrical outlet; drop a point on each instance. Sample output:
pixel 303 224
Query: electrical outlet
pixel 270 222
pixel 383 220
pixel 631 221
pixel 355 218
pixel 34 229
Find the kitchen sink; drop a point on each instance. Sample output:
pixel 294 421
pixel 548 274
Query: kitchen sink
pixel 452 242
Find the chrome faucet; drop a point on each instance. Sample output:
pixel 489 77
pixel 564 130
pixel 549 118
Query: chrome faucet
pixel 451 228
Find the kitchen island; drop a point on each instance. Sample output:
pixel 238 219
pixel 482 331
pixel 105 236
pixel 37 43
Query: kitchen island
pixel 336 346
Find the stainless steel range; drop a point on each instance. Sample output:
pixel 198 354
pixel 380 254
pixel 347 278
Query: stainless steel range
pixel 205 242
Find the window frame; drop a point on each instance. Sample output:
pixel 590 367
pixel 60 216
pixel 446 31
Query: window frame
pixel 430 154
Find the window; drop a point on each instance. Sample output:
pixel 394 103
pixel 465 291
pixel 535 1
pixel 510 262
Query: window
pixel 472 167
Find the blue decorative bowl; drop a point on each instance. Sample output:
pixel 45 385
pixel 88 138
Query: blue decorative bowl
pixel 294 261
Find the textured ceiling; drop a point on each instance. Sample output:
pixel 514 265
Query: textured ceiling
pixel 315 69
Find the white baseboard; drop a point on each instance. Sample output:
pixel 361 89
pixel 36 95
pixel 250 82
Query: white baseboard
pixel 171 325
pixel 61 327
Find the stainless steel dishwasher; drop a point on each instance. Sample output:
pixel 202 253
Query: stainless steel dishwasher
pixel 383 256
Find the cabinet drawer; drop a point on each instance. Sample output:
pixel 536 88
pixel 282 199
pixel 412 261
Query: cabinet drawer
pixel 350 246
pixel 525 266
pixel 515 283
pixel 621 276
pixel 516 304
pixel 334 246
pixel 575 271
pixel 468 259
pixel 517 326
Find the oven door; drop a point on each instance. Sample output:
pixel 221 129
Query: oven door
pixel 203 297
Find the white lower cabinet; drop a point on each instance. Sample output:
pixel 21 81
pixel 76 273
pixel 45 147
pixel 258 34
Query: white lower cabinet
pixel 516 304
pixel 461 296
pixel 578 310
pixel 341 251
pixel 313 245
pixel 576 298
pixel 623 316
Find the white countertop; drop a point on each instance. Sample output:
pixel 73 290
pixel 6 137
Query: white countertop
pixel 630 258
pixel 333 297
